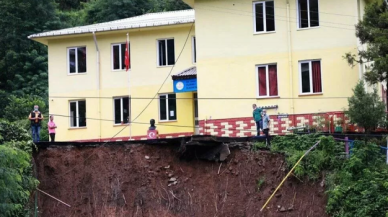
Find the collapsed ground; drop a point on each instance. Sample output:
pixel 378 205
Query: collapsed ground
pixel 151 180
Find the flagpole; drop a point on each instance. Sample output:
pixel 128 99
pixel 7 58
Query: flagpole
pixel 129 93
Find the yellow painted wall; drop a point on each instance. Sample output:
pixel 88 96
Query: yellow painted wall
pixel 145 80
pixel 228 51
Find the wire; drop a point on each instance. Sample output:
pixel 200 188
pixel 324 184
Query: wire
pixel 204 98
pixel 188 35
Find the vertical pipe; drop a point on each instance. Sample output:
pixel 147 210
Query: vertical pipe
pixel 290 63
pixel 98 82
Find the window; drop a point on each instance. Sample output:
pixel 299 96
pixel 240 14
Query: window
pixel 118 56
pixel 121 109
pixel 308 13
pixel 264 16
pixel 310 77
pixel 78 113
pixel 194 50
pixel 267 80
pixel 166 52
pixel 77 60
pixel 167 107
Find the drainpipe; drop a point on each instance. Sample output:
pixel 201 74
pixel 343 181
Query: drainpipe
pixel 98 83
pixel 290 62
pixel 361 70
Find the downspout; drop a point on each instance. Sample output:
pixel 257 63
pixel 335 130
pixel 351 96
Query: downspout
pixel 98 83
pixel 291 76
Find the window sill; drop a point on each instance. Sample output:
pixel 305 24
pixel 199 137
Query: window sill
pixel 164 66
pixel 77 128
pixel 308 28
pixel 120 125
pixel 73 74
pixel 167 121
pixel 268 97
pixel 310 94
pixel 121 70
pixel 263 33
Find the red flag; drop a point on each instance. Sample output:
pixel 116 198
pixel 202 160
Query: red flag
pixel 127 62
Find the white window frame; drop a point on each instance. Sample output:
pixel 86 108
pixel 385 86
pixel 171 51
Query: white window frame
pixel 76 61
pixel 264 17
pixel 77 113
pixel 121 61
pixel 310 76
pixel 267 79
pixel 308 14
pixel 194 49
pixel 157 51
pixel 167 109
pixel 121 109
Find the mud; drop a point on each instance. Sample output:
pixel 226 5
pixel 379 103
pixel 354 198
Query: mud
pixel 133 180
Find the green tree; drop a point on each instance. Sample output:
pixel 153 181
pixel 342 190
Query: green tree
pixel 365 109
pixel 372 31
pixel 19 108
pixel 107 10
pixel 16 179
pixel 23 62
pixel 169 5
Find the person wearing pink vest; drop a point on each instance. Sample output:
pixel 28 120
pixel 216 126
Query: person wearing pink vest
pixel 51 128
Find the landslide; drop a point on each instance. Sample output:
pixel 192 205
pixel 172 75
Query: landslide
pixel 138 180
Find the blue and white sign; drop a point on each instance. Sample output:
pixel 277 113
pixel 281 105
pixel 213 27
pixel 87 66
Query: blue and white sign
pixel 189 85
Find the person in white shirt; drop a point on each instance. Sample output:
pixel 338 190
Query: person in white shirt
pixel 266 128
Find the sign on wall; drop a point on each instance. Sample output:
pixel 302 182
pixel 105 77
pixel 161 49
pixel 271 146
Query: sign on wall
pixel 189 85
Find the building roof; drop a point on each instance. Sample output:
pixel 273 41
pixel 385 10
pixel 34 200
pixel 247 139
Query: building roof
pixel 186 74
pixel 146 20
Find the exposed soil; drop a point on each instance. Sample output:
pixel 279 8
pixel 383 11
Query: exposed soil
pixel 132 180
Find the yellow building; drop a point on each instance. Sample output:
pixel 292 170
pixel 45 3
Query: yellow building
pixel 286 56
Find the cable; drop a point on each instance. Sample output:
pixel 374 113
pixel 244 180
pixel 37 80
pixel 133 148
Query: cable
pixel 206 98
pixel 173 66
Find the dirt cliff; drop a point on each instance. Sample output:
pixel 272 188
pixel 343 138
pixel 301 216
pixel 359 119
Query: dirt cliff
pixel 151 180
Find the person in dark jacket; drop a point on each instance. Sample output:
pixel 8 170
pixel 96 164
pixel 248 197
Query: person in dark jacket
pixel 257 118
pixel 36 118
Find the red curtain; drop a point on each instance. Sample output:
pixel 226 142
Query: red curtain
pixel 262 82
pixel 273 80
pixel 317 83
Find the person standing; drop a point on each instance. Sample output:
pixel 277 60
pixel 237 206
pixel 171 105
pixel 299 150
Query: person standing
pixel 36 118
pixel 266 128
pixel 51 128
pixel 257 118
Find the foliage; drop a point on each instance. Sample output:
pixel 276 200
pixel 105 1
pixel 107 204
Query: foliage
pixel 360 186
pixel 23 62
pixel 258 145
pixel 168 5
pixel 326 156
pixel 19 108
pixel 372 31
pixel 365 109
pixel 16 183
pixel 260 183
pixel 16 180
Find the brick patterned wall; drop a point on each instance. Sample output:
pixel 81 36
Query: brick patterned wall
pixel 242 127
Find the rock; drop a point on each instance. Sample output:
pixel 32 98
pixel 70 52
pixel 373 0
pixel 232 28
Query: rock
pixel 230 168
pixel 172 179
pixel 279 207
pixel 169 184
pixel 278 195
pixel 170 175
pixel 283 209
pixel 176 182
pixel 131 151
pixel 290 208
pixel 167 167
pixel 147 157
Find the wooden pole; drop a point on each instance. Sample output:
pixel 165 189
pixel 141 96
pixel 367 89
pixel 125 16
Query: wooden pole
pixel 289 173
pixel 53 197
